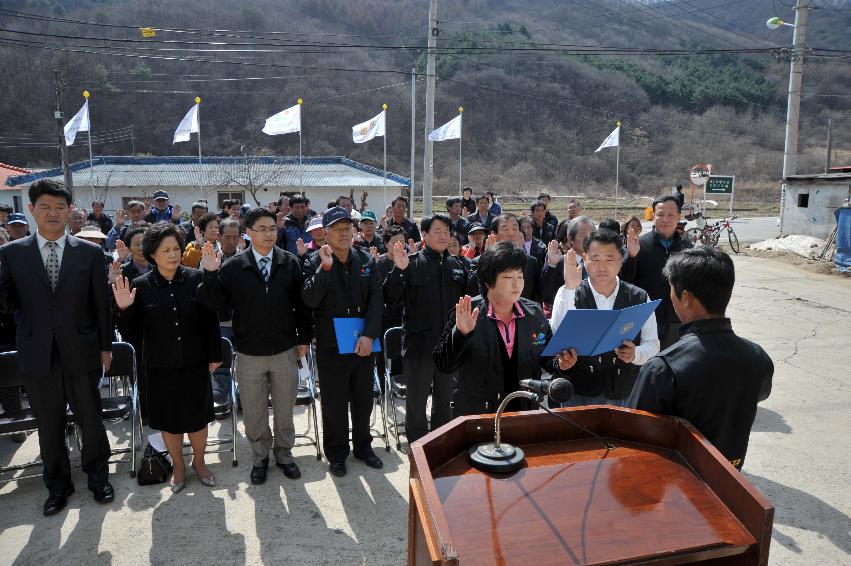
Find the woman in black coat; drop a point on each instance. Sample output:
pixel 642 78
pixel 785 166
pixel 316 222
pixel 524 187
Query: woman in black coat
pixel 496 340
pixel 181 344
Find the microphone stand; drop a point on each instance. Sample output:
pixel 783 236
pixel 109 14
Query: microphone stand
pixel 495 456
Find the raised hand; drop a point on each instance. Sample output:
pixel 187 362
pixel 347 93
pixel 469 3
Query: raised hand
pixel 566 359
pixel 400 257
pixel 300 247
pixel 327 256
pixel 632 244
pixel 124 297
pixel 491 241
pixel 280 219
pixel 210 260
pixel 120 216
pixel 198 236
pixel 554 254
pixel 465 319
pixel 241 243
pixel 412 246
pixel 114 271
pixel 175 211
pixel 373 251
pixel 572 271
pixel 121 249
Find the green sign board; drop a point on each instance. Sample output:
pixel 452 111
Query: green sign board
pixel 720 185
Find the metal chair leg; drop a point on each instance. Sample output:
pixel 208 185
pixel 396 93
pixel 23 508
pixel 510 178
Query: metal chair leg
pixel 234 461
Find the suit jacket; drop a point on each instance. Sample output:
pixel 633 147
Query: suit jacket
pixel 76 315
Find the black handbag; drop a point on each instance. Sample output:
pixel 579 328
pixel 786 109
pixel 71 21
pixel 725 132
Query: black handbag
pixel 155 467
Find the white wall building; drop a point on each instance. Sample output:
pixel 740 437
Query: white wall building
pixel 810 202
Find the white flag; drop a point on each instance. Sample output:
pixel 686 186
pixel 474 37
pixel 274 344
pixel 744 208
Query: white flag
pixel 79 123
pixel 612 141
pixel 369 129
pixel 451 130
pixel 189 125
pixel 284 122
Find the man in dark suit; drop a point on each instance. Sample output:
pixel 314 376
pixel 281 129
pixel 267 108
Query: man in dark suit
pixel 57 284
pixel 482 215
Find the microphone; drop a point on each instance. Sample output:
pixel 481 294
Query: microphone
pixel 559 390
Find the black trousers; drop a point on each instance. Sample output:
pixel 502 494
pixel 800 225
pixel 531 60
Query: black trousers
pixel 422 377
pixel 48 395
pixel 345 377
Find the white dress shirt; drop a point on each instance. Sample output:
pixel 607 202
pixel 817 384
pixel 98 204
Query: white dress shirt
pixel 45 251
pixel 566 300
pixel 258 257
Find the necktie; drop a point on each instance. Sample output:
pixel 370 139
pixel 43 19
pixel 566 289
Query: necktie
pixel 264 269
pixel 52 264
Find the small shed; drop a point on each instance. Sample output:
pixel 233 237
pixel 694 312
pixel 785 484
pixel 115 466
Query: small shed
pixel 810 201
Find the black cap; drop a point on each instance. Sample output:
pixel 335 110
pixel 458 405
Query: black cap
pixel 160 194
pixel 474 226
pixel 334 215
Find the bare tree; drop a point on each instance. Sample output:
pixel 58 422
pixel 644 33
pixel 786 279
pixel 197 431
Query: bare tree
pixel 254 171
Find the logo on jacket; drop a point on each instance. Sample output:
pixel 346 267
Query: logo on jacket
pixel 365 271
pixel 627 327
pixel 538 338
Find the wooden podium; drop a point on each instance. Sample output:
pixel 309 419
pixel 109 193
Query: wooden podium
pixel 663 495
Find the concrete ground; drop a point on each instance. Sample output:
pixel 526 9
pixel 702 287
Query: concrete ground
pixel 798 458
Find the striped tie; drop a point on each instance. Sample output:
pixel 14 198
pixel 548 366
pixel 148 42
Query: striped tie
pixel 264 269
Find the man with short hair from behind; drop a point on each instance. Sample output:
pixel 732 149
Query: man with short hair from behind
pixel 710 376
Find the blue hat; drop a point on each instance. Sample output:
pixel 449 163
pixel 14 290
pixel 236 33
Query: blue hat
pixel 160 195
pixel 334 215
pixel 244 208
pixel 16 218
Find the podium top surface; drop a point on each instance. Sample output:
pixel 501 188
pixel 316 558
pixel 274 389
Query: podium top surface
pixel 576 502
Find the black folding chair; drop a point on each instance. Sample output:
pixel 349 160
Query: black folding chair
pixel 227 364
pixel 23 420
pixel 306 397
pixel 395 387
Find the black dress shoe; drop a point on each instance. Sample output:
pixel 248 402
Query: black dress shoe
pixel 56 502
pixel 372 461
pixel 338 469
pixel 258 473
pixel 291 470
pixel 103 493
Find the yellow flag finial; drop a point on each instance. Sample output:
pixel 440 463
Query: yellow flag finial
pixel 384 106
pixel 619 123
pixel 460 109
pixel 197 100
pixel 86 94
pixel 299 101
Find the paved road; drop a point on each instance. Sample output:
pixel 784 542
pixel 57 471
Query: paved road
pixel 748 230
pixel 798 457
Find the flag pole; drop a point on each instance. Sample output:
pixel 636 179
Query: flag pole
pixel 617 170
pixel 412 191
pixel 91 159
pixel 300 164
pixel 198 116
pixel 460 135
pixel 384 106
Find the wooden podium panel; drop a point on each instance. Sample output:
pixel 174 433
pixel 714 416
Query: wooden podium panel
pixel 577 502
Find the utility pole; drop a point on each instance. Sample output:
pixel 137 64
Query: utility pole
pixel 60 124
pixel 829 148
pixel 428 154
pixel 411 191
pixel 793 105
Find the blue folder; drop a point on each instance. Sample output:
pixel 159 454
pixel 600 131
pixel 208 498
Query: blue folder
pixel 348 330
pixel 593 332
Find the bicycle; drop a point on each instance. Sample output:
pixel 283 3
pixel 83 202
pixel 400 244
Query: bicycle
pixel 709 234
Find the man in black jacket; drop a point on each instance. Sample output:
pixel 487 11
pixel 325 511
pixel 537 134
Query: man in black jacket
pixel 271 330
pixel 506 228
pixel 399 217
pixel 711 377
pixel 492 342
pixel 646 257
pixel 429 283
pixel 57 285
pixel 457 222
pixel 482 215
pixel 541 229
pixel 342 282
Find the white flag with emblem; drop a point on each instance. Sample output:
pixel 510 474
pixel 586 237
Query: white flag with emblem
pixel 612 141
pixel 284 122
pixel 188 126
pixel 79 123
pixel 369 129
pixel 451 130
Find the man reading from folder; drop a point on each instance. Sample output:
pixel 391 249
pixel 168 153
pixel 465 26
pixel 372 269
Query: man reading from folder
pixel 710 376
pixel 606 379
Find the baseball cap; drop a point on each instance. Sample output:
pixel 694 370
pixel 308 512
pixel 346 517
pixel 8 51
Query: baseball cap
pixel 475 227
pixel 368 215
pixel 91 232
pixel 160 195
pixel 334 215
pixel 244 208
pixel 16 218
pixel 314 223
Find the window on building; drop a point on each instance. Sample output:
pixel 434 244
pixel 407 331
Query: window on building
pixel 16 204
pixel 803 200
pixel 223 196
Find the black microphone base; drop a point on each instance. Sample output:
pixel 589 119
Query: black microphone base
pixel 486 458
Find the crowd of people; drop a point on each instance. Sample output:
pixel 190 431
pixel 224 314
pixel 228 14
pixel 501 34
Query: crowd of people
pixel 477 291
